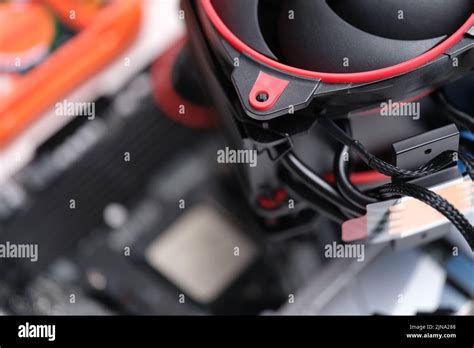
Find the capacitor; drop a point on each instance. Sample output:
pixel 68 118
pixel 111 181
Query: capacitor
pixel 27 35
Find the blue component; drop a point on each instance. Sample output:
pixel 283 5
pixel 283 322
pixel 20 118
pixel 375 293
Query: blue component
pixel 461 270
pixel 467 135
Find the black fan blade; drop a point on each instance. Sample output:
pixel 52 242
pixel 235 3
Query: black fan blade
pixel 241 17
pixel 318 39
pixel 405 19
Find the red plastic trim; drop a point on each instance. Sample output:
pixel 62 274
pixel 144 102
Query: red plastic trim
pixel 361 77
pixel 361 178
pixel 274 202
pixel 267 85
pixel 169 101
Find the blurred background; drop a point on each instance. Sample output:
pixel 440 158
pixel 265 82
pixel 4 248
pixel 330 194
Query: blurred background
pixel 112 176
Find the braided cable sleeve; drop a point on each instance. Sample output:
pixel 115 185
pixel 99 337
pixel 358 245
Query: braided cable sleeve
pixel 435 165
pixel 407 189
pixel 436 202
pixel 440 162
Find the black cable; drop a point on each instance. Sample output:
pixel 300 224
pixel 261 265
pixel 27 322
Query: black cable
pixel 457 116
pixel 344 184
pixel 354 200
pixel 435 201
pixel 317 185
pixel 418 192
pixel 435 165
